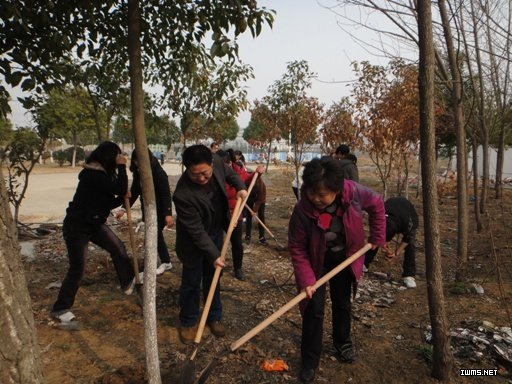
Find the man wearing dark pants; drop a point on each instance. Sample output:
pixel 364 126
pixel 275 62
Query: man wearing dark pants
pixel 202 215
pixel 401 218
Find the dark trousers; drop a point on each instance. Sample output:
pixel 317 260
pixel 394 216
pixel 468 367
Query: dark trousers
pixel 248 222
pixel 77 237
pixel 237 247
pixel 192 279
pixel 409 263
pixel 313 318
pixel 163 252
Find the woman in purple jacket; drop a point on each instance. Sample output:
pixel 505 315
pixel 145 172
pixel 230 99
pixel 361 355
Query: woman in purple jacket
pixel 325 228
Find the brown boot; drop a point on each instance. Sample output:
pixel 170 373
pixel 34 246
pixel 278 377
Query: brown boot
pixel 217 328
pixel 188 334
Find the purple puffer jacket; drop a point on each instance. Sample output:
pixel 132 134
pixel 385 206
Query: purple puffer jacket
pixel 306 242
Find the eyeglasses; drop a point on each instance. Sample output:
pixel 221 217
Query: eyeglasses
pixel 198 175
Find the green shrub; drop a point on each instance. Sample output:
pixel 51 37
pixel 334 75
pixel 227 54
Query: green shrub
pixel 66 155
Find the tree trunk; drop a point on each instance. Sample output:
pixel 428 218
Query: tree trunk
pixel 442 357
pixel 498 184
pixel 20 361
pixel 148 193
pixel 484 131
pixel 456 90
pixel 478 217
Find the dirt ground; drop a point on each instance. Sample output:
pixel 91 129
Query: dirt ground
pixel 390 323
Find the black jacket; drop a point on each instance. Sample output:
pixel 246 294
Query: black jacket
pixel 401 217
pixel 96 194
pixel 349 169
pixel 195 214
pixel 162 191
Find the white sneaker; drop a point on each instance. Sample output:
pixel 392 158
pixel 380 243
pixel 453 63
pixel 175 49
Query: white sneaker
pixel 131 287
pixel 64 316
pixel 409 282
pixel 365 269
pixel 163 267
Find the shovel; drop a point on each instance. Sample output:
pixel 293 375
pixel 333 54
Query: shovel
pixel 188 373
pixel 189 369
pixel 285 308
pixel 264 226
pixel 138 284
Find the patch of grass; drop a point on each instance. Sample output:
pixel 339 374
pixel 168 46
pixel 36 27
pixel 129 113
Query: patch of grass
pixel 107 296
pixel 62 346
pixel 102 324
pixel 458 288
pixel 426 351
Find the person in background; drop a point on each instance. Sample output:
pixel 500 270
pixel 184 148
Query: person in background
pixel 256 202
pixel 327 226
pixel 347 165
pixel 237 247
pixel 401 218
pixel 202 214
pixel 240 159
pixel 163 204
pixel 102 185
pixel 214 147
pixel 297 182
pixel 352 157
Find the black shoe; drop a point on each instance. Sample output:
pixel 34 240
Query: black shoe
pixel 263 241
pixel 247 239
pixel 307 375
pixel 346 353
pixel 239 274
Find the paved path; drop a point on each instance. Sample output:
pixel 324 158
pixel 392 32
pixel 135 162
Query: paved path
pixel 49 194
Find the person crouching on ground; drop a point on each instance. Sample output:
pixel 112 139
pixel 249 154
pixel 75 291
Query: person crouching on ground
pixel 102 185
pixel 202 214
pixel 401 218
pixel 326 227
pixel 163 204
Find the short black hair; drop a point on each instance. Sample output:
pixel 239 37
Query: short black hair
pixel 224 156
pixel 197 154
pixel 352 157
pixel 325 172
pixel 343 149
pixel 152 160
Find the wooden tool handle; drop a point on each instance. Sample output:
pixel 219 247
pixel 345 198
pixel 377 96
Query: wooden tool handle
pixel 216 275
pixel 259 221
pixel 301 296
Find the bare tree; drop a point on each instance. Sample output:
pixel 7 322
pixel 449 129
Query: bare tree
pixel 442 357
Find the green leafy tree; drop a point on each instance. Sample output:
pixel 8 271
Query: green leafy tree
pixel 23 154
pixel 222 128
pixel 62 114
pixel 107 93
pixel 289 102
pixel 36 55
pixel 253 133
pixel 6 134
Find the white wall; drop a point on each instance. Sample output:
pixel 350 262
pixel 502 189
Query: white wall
pixel 507 165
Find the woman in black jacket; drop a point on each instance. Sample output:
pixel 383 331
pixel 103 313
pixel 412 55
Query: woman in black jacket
pixel 163 204
pixel 102 186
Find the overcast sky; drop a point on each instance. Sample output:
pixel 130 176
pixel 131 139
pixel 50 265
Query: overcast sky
pixel 302 30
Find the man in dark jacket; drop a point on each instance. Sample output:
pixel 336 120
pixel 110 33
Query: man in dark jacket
pixel 348 166
pixel 401 218
pixel 202 215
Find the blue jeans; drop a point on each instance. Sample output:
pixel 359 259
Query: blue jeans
pixel 191 281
